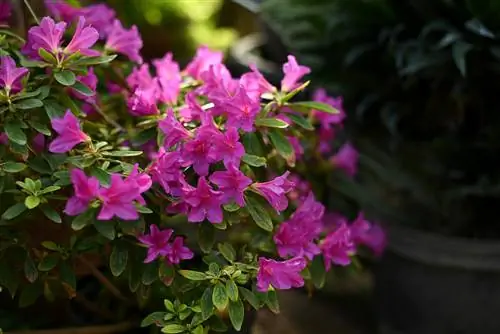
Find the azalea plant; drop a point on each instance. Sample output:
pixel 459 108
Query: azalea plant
pixel 183 183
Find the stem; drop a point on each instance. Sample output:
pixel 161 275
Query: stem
pixel 105 329
pixel 31 11
pixel 104 280
pixel 107 118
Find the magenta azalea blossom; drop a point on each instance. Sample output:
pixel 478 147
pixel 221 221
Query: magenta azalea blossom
pixel 275 191
pixel 166 170
pixel 280 275
pixel 174 131
pixel 192 111
pixel 218 84
pixel 204 203
pixel 231 183
pixel 200 152
pixel 143 102
pixel 70 133
pixel 368 234
pixel 10 75
pixel 5 11
pixel 127 42
pixel 228 147
pixel 325 137
pixel 327 119
pixel 346 159
pixel 86 190
pixel 140 77
pixel 156 242
pixel 176 251
pixel 83 39
pixel 293 73
pixel 140 181
pixel 337 247
pixel 297 236
pixel 118 199
pixel 169 78
pixel 202 60
pixel 242 111
pixel 4 140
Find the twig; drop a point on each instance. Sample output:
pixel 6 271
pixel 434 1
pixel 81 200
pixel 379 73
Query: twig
pixel 31 11
pixel 103 279
pixel 105 329
pixel 107 118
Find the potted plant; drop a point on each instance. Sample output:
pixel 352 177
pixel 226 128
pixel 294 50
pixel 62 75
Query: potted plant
pixel 420 79
pixel 168 194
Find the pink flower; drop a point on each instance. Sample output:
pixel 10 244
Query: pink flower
pixel 293 73
pixel 242 111
pixel 169 78
pixel 140 77
pixel 38 143
pixel 202 60
pixel 204 203
pixel 83 39
pixel 297 147
pixel 140 181
pixel 174 131
pixel 90 80
pixel 86 190
pixel 10 75
pixel 200 151
pixel 177 252
pixel 192 111
pixel 337 247
pixel 4 140
pixel 61 10
pixel 231 183
pixel 263 85
pixel 126 42
pixel 296 237
pixel 228 147
pixel 5 10
pixel 327 119
pixel 301 188
pixel 70 133
pixel 346 159
pixel 280 275
pixel 371 235
pixel 275 191
pixel 166 170
pixel 118 199
pixel 156 242
pixel 218 84
pixel 143 101
pixel 325 137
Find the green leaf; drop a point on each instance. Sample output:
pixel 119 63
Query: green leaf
pixel 281 143
pixel 227 251
pixel 8 278
pixel 14 211
pixel 232 290
pixel 39 127
pixel 13 167
pixel 47 56
pixel 219 297
pixel 14 130
pixel 65 78
pixel 254 161
pixel 49 262
pixel 53 109
pixel 67 275
pixel 229 207
pixel 30 294
pixel 83 220
pixel 83 89
pixel 51 214
pixel 49 189
pixel 271 123
pixel 236 314
pixel 294 92
pixel 118 260
pixel 32 202
pixel 88 61
pixel 150 273
pixel 259 213
pixel 193 275
pixel 123 153
pixel 250 297
pixel 173 329
pixel 169 305
pixel 207 307
pixel 301 121
pixel 206 236
pixel 253 143
pixel 28 104
pixel 105 228
pixel 313 105
pixel 101 175
pixel 51 245
pixel 198 330
pixel 154 318
pixel 459 52
pixel 272 302
pixel 318 273
pixel 30 271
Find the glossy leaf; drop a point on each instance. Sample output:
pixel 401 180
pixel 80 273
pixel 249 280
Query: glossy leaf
pixel 13 167
pixel 32 202
pixel 28 104
pixel 118 260
pixel 254 161
pixel 30 270
pixel 14 211
pixel 83 89
pixel 271 123
pixel 51 214
pixel 259 213
pixel 206 304
pixel 313 105
pixel 236 314
pixel 232 290
pixel 105 228
pixel 206 236
pixel 14 131
pixel 250 297
pixel 83 220
pixel 65 78
pixel 227 250
pixel 173 329
pixel 301 121
pixel 193 275
pixel 49 262
pixel 281 143
pixel 219 297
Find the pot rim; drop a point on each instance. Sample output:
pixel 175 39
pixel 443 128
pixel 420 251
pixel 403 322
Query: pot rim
pixel 440 250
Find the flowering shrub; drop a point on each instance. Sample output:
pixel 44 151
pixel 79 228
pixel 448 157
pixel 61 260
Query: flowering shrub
pixel 178 178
